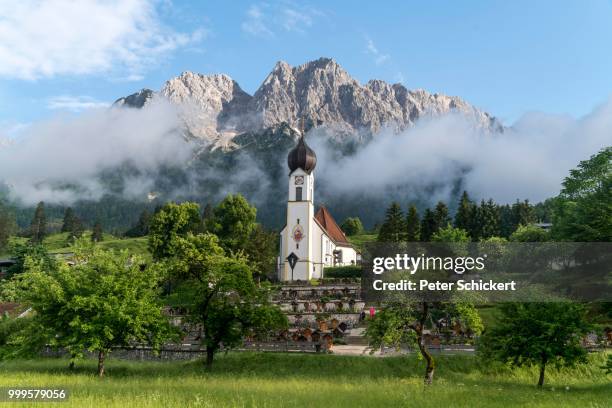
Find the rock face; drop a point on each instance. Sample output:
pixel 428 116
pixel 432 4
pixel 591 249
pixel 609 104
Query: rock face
pixel 215 108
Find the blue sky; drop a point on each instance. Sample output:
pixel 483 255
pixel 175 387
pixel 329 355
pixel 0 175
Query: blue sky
pixel 507 57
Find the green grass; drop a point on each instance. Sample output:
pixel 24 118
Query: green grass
pixel 298 380
pixel 58 243
pixel 360 240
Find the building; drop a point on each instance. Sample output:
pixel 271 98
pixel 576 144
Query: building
pixel 309 241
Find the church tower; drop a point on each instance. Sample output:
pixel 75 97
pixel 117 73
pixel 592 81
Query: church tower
pixel 299 231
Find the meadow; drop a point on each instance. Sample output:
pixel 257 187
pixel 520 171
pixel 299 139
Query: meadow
pixel 299 380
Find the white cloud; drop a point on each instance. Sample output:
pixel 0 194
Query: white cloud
pixel 528 161
pixel 75 103
pixel 73 151
pixel 46 38
pixel 265 20
pixel 256 23
pixel 371 49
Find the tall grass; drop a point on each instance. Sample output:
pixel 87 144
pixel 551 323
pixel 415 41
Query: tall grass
pixel 298 380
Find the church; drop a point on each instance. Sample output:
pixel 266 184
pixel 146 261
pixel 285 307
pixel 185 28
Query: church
pixel 309 241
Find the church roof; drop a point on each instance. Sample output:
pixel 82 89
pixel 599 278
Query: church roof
pixel 327 222
pixel 302 157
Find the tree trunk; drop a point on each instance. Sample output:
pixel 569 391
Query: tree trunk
pixel 101 363
pixel 429 369
pixel 210 355
pixel 542 368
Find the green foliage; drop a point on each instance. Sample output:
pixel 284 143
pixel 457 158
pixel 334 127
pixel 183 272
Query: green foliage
pixel 488 219
pixel 537 334
pixel 141 228
pixel 608 366
pixel 441 217
pixel 352 226
pixel 583 210
pixel 38 226
pixel 464 217
pixel 413 225
pixel 403 320
pixel 428 225
pixel 222 295
pixel 233 221
pixel 393 228
pixel 69 220
pixel 350 271
pixel 168 224
pixel 529 233
pixel 450 234
pixel 22 251
pixel 8 226
pixel 261 251
pixel 105 299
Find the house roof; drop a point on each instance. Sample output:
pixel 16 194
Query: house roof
pixel 327 222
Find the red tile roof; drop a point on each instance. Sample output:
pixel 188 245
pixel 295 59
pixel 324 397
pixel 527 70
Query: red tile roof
pixel 325 219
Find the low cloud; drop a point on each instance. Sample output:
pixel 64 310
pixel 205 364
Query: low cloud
pixel 528 161
pixel 61 160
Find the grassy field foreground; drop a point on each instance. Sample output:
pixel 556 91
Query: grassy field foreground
pixel 284 380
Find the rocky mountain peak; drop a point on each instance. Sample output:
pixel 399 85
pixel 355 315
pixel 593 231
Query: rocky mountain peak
pixel 215 108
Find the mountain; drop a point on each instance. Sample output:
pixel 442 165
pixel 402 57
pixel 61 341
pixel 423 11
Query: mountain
pixel 215 108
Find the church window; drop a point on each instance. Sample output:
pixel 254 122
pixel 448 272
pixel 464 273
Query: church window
pixel 298 194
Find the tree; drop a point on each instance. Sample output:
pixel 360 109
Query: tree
pixel 522 213
pixel 529 233
pixel 233 221
pixel 393 228
pixel 20 252
pixel 220 294
pixel 8 226
pixel 537 334
pixel 441 217
pixel 464 217
pixel 352 226
pixel 583 210
pixel 261 251
pixel 169 223
pixel 487 220
pixel 141 228
pixel 105 299
pixel 76 231
pixel 69 220
pixel 413 225
pixel 450 234
pixel 428 225
pixel 404 321
pixel 38 226
pixel 97 235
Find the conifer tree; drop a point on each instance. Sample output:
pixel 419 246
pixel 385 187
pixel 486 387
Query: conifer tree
pixel 69 219
pixel 141 228
pixel 394 227
pixel 38 227
pixel 441 217
pixel 488 219
pixel 465 213
pixel 428 225
pixel 522 213
pixel 413 225
pixel 97 234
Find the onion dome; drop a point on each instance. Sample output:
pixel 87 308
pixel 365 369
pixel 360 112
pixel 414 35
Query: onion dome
pixel 302 157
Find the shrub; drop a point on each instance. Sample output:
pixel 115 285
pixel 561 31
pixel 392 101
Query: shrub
pixel 351 271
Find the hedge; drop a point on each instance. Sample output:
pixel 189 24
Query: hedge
pixel 351 271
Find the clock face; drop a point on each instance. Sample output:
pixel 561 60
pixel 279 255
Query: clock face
pixel 297 233
pixel 299 180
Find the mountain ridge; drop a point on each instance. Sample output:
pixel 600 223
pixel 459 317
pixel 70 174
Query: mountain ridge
pixel 216 109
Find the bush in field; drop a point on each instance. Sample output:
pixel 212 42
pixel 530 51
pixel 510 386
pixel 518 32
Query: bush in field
pixel 352 226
